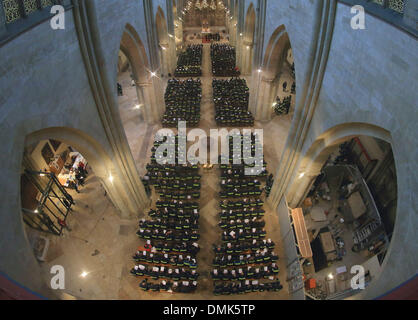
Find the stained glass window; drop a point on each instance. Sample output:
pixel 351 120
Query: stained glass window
pixel 46 3
pixel 30 6
pixel 381 2
pixel 397 5
pixel 11 10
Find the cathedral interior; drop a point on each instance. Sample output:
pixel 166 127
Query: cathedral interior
pixel 91 91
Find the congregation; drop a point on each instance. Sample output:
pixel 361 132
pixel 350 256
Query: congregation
pixel 189 63
pixel 172 232
pixel 245 262
pixel 231 98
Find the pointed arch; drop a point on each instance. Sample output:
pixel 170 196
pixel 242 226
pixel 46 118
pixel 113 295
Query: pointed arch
pixel 133 48
pixel 96 155
pixel 276 52
pixel 174 9
pixel 161 24
pixel 317 154
pixel 249 29
pixel 248 40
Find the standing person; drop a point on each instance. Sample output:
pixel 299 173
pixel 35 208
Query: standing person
pixel 64 224
pixel 80 177
pixel 81 168
pixel 73 184
pixel 284 86
pixel 120 92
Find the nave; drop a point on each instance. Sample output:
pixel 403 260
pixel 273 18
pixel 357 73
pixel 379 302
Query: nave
pixel 201 280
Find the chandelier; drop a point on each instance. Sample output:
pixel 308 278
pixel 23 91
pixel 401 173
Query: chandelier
pixel 198 5
pixel 203 5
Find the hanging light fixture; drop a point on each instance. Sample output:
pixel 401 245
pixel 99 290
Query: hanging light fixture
pixel 213 5
pixel 198 5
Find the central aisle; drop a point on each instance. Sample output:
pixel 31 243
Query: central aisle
pixel 210 232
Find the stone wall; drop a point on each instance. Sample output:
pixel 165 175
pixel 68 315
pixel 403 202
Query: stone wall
pixel 370 79
pixel 44 85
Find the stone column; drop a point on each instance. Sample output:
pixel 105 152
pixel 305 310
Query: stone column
pixel 164 54
pixel 153 49
pixel 240 32
pixel 178 29
pixel 324 29
pixel 232 24
pixel 262 96
pixel 120 178
pixel 171 37
pixel 3 30
pixel 257 63
pixel 145 91
pixel 233 32
pixel 247 57
pixel 410 13
pixel 264 99
pixel 151 35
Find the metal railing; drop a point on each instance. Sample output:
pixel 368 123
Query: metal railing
pixel 18 16
pixel 19 9
pixel 400 13
pixel 395 5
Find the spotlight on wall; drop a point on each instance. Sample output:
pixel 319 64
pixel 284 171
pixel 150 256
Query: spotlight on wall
pixel 84 274
pixel 170 35
pixel 259 70
pixel 164 48
pixel 138 106
pixel 36 211
pixel 111 178
pixel 302 175
pixel 330 276
pixel 153 74
pixel 240 34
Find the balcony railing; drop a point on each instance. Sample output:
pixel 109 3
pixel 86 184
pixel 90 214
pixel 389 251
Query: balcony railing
pixel 395 5
pixel 18 9
pixel 17 16
pixel 400 13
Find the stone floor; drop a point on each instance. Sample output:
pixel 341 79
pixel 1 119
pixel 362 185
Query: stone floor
pixel 101 244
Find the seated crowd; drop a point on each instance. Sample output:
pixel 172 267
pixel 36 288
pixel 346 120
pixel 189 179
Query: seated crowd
pixel 206 38
pixel 231 99
pixel 245 261
pixel 168 260
pixel 283 107
pixel 269 185
pixel 182 99
pixel 189 63
pixel 223 60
